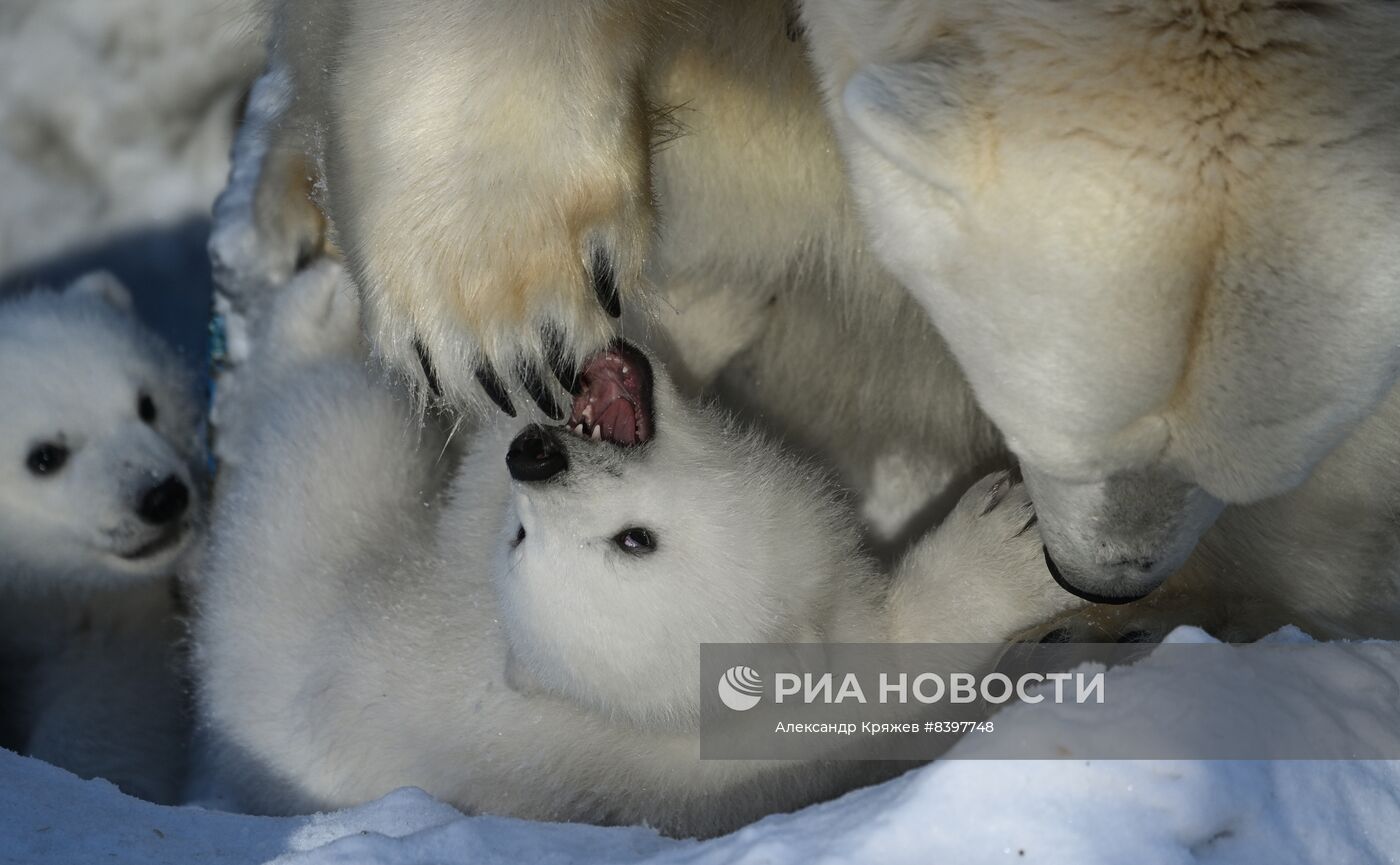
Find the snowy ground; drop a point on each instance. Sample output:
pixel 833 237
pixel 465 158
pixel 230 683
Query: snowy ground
pixel 959 811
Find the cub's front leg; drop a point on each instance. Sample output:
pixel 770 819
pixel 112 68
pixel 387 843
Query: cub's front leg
pixel 485 172
pixel 980 577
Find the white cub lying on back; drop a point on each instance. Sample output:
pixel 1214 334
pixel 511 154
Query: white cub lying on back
pixel 520 634
pixel 98 455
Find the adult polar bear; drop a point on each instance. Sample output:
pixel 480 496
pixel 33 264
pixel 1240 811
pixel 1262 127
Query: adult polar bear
pixel 1160 236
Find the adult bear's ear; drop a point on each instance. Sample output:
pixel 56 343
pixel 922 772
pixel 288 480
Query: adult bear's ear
pixel 103 286
pixel 917 115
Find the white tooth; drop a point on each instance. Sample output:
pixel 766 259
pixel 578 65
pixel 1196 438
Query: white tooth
pixel 597 433
pixel 578 430
pixel 624 370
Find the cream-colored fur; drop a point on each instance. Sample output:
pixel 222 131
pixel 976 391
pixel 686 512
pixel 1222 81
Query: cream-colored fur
pixel 1324 557
pixel 1159 236
pixel 688 143
pixel 375 616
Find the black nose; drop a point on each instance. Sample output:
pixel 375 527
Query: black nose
pixel 535 455
pixel 164 502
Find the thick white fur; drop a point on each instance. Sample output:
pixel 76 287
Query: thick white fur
pixel 87 637
pixel 369 621
pixel 1159 235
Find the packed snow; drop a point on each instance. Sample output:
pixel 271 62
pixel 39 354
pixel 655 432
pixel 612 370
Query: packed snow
pixel 965 811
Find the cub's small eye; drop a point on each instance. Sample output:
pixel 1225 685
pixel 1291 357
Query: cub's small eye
pixel 519 536
pixel 46 459
pixel 146 408
pixel 635 540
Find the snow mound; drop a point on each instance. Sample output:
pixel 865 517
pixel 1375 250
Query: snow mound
pixel 115 123
pixel 115 115
pixel 964 811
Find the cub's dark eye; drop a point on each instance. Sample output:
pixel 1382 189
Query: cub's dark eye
pixel 519 536
pixel 635 540
pixel 46 459
pixel 146 408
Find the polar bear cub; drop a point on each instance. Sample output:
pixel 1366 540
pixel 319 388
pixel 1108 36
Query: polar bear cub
pixel 519 633
pixel 98 505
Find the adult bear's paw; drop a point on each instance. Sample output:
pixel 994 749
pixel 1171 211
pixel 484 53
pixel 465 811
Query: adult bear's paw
pixel 481 287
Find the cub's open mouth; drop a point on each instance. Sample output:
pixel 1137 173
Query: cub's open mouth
pixel 613 401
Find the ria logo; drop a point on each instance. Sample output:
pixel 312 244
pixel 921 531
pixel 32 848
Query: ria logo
pixel 740 688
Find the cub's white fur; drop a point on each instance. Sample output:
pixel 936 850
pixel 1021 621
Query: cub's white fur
pixel 88 547
pixel 1159 235
pixel 375 617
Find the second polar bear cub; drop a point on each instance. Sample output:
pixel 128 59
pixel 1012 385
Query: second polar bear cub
pixel 520 634
pixel 99 507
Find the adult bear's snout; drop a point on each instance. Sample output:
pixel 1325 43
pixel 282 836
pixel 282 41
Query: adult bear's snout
pixel 1115 541
pixel 535 455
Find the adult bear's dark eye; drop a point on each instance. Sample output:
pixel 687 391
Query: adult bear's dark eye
pixel 146 408
pixel 46 459
pixel 636 541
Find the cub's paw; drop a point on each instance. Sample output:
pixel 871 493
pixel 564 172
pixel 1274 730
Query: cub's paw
pixel 992 544
pixel 315 315
pixel 1088 628
pixel 995 517
pixel 1154 617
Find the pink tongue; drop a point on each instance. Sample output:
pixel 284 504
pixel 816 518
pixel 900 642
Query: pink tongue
pixel 619 422
pixel 611 392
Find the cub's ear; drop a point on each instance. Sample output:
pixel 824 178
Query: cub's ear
pixel 103 286
pixel 917 116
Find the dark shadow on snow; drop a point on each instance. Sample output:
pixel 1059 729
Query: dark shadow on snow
pixel 166 267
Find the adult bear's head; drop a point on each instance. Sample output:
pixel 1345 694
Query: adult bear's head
pixel 1162 238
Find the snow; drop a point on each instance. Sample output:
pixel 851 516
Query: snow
pixel 243 270
pixel 242 267
pixel 115 123
pixel 957 810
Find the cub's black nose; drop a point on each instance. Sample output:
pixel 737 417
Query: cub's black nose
pixel 535 455
pixel 165 502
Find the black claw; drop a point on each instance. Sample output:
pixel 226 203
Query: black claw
pixel 491 383
pixel 558 358
pixel 1035 518
pixel 995 495
pixel 605 283
pixel 540 393
pixel 429 371
pixel 1059 635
